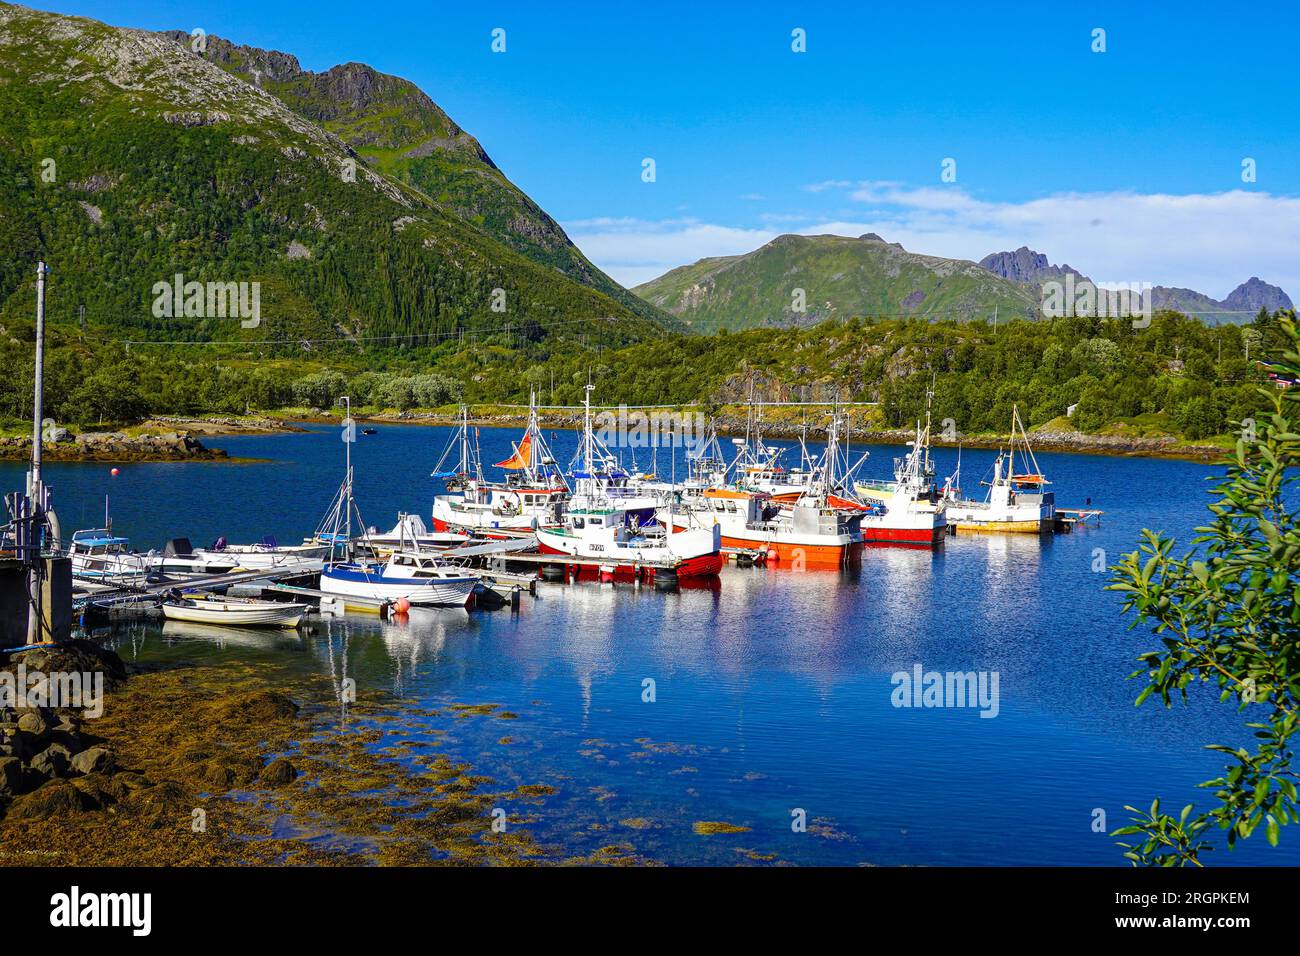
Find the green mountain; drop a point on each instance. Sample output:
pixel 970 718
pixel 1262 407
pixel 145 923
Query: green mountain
pixel 398 130
pixel 839 277
pixel 127 158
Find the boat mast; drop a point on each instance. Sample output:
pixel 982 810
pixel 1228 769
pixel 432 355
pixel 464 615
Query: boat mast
pixel 464 440
pixel 1011 445
pixel 349 436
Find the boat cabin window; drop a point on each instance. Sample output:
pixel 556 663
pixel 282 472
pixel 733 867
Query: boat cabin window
pixel 731 506
pixel 596 522
pixel 579 523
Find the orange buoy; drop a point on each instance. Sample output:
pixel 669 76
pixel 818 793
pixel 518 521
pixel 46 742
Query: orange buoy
pixel 113 472
pixel 402 606
pixel 772 555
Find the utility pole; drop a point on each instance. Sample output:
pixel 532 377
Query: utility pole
pixel 37 506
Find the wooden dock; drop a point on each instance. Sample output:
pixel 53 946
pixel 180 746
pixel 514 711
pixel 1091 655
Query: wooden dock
pixel 1068 518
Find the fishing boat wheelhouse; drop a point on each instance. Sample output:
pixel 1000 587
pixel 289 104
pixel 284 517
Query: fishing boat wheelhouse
pixel 533 492
pixel 1017 503
pixel 908 510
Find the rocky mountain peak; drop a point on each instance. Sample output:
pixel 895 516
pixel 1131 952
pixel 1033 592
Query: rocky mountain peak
pixel 1254 294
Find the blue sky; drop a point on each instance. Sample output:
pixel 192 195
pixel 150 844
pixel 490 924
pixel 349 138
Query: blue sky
pixel 1127 164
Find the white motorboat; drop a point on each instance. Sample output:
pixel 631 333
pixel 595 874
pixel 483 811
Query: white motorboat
pixel 267 553
pixel 233 612
pixel 417 577
pixel 180 560
pixel 421 579
pixel 99 555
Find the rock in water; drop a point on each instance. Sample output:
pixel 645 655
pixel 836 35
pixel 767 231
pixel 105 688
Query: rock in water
pixel 278 773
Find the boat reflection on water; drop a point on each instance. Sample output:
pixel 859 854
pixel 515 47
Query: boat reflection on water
pixel 229 635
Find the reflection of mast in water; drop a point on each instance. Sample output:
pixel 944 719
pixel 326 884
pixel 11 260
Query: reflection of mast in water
pixel 584 682
pixel 339 669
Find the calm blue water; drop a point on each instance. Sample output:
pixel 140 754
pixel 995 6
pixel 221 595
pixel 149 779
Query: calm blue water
pixel 772 690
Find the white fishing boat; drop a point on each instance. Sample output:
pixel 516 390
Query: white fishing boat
pixel 1017 503
pixel 757 465
pixel 820 528
pixel 612 519
pixel 909 510
pixel 606 533
pixel 233 612
pixel 533 492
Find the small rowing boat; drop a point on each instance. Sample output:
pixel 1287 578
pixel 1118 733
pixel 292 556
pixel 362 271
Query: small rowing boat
pixel 233 612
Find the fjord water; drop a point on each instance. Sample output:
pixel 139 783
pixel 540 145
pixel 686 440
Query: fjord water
pixel 772 690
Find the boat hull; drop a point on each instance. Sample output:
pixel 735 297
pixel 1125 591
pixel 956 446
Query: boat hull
pixel 1027 526
pixel 927 537
pixel 440 592
pixel 693 554
pixel 266 614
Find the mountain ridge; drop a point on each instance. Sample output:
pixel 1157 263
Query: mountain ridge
pixel 1030 268
pixel 398 129
pixel 839 276
pixel 126 159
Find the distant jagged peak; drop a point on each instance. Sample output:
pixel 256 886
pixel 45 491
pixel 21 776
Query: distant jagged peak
pixel 1026 266
pixel 1255 294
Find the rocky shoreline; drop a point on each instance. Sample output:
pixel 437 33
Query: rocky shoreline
pixel 115 447
pixel 236 763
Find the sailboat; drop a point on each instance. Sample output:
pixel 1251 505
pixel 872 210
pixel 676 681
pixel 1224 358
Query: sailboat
pixel 1017 503
pixel 408 574
pixel 533 492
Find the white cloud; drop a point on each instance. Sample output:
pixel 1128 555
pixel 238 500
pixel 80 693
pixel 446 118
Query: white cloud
pixel 633 251
pixel 1208 242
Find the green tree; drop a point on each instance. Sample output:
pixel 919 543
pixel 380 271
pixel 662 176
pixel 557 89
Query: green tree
pixel 1230 616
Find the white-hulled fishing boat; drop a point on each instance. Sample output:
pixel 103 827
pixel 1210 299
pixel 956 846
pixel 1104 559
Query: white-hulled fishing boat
pixel 233 612
pixel 1016 503
pixel 533 492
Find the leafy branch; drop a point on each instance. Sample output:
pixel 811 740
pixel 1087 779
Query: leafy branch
pixel 1229 615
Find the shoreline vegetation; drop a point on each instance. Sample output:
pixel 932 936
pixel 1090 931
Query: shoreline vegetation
pixel 1176 388
pixel 1120 441
pixel 176 439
